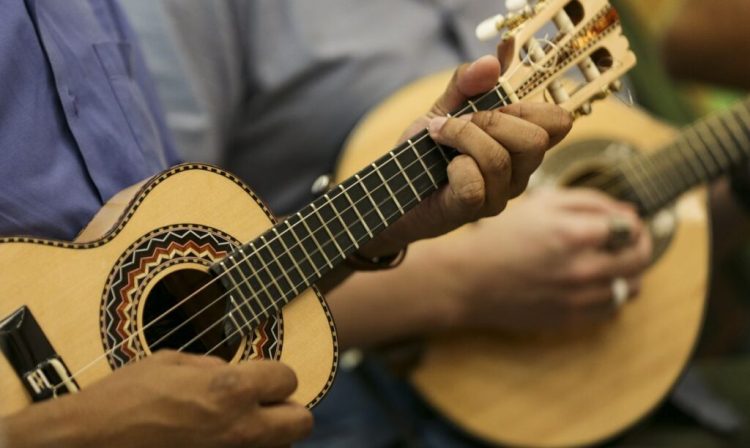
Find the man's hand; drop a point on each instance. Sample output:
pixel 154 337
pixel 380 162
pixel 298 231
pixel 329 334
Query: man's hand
pixel 499 151
pixel 545 264
pixel 171 400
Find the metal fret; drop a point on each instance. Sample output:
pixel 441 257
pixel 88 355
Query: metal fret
pixel 372 201
pixel 736 129
pixel 302 248
pixel 359 215
pixel 294 261
pixel 649 201
pixel 667 170
pixel 706 158
pixel 328 231
pixel 341 220
pixel 659 184
pixel 246 282
pixel 442 152
pixel 717 128
pixel 473 106
pixel 744 116
pixel 387 187
pixel 406 176
pixel 416 154
pixel 231 317
pixel 270 273
pixel 234 284
pixel 700 172
pixel 236 306
pixel 678 161
pixel 315 239
pixel 713 146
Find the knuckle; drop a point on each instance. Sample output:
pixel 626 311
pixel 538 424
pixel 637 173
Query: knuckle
pixel 461 129
pixel 471 193
pixel 499 160
pixel 488 120
pixel 538 139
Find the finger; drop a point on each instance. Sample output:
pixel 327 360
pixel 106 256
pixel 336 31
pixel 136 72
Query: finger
pixel 597 295
pixel 284 423
pixel 602 265
pixel 468 80
pixel 464 196
pixel 555 120
pixel 593 230
pixel 492 159
pixel 594 304
pixel 582 231
pixel 271 381
pixel 525 142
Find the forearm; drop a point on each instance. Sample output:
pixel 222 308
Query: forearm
pixel 708 41
pixel 416 298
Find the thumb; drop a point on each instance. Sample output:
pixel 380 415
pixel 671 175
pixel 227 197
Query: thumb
pixel 468 80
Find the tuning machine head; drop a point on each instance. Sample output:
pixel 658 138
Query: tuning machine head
pixel 519 11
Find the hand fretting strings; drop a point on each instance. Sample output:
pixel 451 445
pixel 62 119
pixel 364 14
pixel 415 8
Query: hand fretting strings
pixel 503 100
pixel 239 330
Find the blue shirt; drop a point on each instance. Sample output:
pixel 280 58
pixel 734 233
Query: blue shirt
pixel 79 120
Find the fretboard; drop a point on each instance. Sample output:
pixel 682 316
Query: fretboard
pixel 265 274
pixel 704 151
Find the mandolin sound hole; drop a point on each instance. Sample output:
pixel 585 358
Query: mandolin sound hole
pixel 192 325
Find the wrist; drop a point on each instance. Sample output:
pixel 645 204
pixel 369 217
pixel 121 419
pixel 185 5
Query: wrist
pixel 452 302
pixel 50 424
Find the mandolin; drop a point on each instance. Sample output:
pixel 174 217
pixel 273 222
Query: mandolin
pixel 560 390
pixel 191 260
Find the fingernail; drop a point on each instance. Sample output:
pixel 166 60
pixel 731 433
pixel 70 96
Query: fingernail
pixel 436 124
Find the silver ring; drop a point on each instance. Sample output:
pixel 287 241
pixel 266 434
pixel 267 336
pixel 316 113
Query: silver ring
pixel 619 233
pixel 620 292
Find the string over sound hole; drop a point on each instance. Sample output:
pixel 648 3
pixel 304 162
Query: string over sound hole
pixel 185 311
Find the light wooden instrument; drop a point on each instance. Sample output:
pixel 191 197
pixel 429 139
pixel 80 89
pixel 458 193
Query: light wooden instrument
pixel 192 260
pixel 578 389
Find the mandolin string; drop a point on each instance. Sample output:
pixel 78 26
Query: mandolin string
pixel 289 227
pixel 463 111
pixel 466 109
pixel 256 317
pixel 504 101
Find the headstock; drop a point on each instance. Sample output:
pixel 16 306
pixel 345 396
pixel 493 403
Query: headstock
pixel 568 52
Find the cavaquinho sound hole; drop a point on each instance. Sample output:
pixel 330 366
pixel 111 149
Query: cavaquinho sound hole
pixel 186 311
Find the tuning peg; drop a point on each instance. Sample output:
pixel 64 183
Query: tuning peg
pixel 516 6
pixel 585 109
pixel 616 86
pixel 490 28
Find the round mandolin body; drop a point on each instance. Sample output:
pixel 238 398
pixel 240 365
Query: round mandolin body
pixel 572 389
